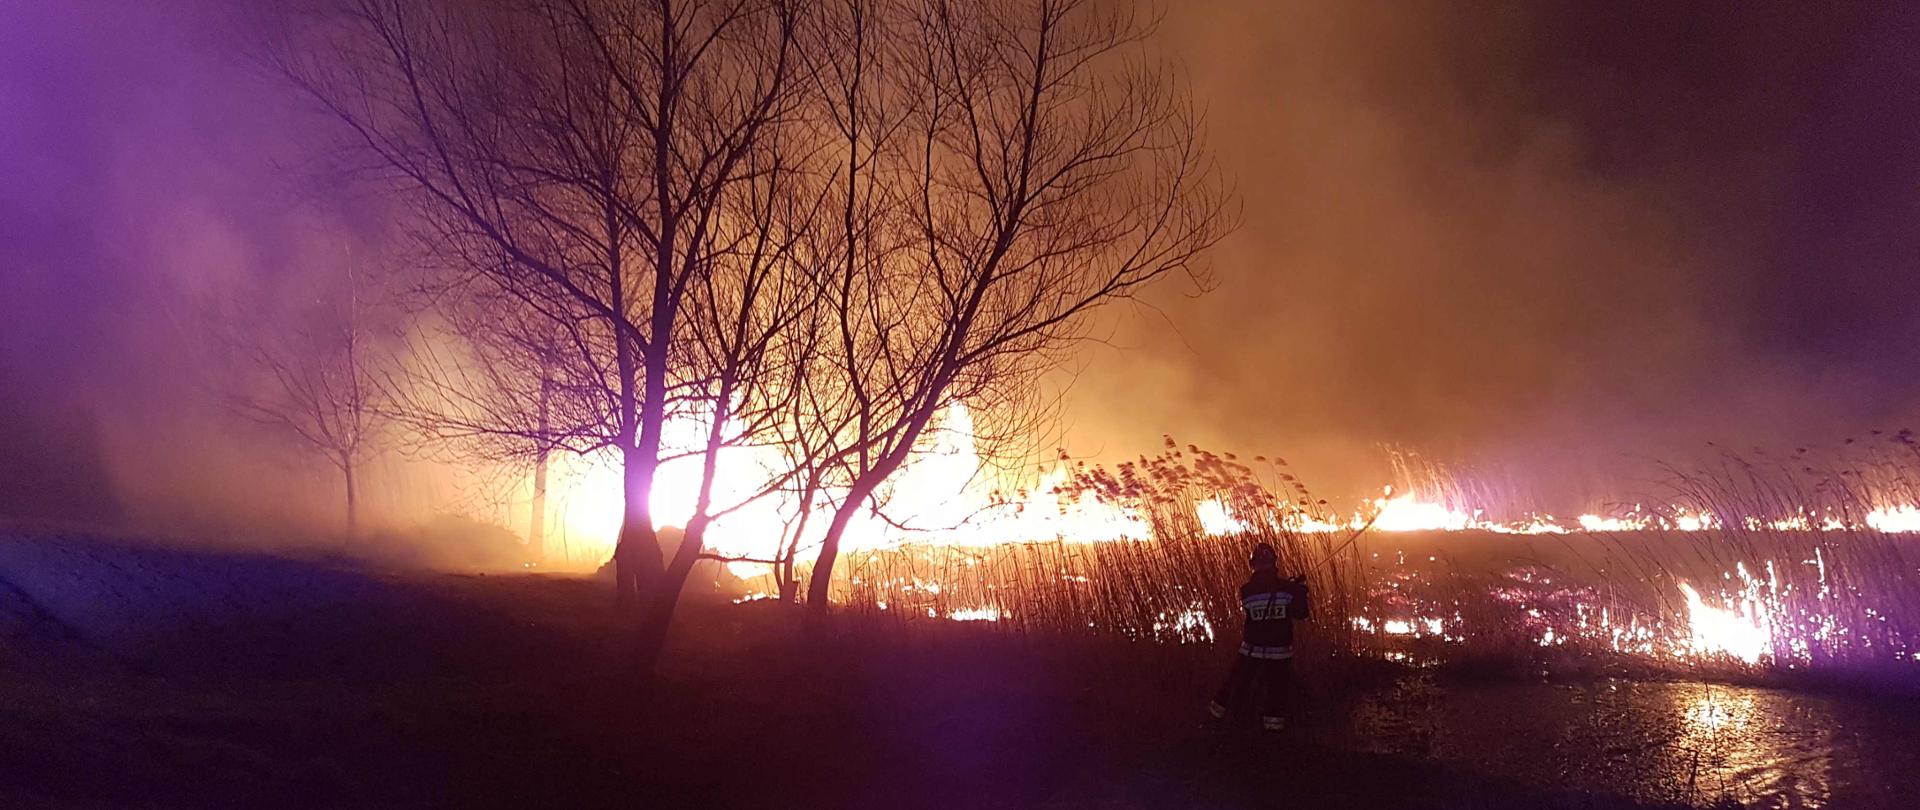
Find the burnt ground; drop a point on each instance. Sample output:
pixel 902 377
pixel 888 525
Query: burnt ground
pixel 189 681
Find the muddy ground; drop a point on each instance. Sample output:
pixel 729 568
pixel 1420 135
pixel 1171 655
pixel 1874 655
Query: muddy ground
pixel 138 678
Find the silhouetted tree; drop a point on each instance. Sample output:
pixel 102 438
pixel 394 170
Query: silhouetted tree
pixel 1012 166
pixel 317 380
pixel 806 226
pixel 573 162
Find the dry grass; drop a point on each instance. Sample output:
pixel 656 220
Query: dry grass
pixel 1846 596
pixel 1181 587
pixel 1839 600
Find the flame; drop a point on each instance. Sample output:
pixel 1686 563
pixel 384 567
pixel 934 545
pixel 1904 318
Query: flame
pixel 1405 513
pixel 984 614
pixel 1188 626
pixel 1742 632
pixel 942 496
pixel 1410 513
pixel 938 497
pixel 1895 519
pixel 1596 523
pixel 1216 520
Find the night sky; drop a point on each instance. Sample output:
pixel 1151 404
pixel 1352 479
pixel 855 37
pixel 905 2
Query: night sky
pixel 1534 237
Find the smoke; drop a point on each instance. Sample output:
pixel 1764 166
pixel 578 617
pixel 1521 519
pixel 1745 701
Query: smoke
pixel 1538 240
pixel 149 174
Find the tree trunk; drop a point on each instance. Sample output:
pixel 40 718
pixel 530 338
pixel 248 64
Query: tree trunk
pixel 789 587
pixel 537 527
pixel 651 637
pixel 783 564
pixel 863 488
pixel 636 556
pixel 637 565
pixel 353 497
pixel 663 595
pixel 818 588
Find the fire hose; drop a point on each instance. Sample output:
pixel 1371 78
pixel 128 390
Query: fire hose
pixel 1351 538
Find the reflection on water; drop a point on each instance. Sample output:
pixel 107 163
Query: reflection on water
pixel 1664 743
pixel 1744 747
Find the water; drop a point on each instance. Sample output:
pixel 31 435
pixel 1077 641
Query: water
pixel 1659 742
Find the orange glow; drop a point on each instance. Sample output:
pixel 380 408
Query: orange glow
pixel 943 496
pixel 1742 632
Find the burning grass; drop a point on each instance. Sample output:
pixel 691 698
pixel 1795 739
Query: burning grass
pixel 1179 587
pixel 1753 568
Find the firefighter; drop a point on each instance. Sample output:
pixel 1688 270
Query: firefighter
pixel 1272 603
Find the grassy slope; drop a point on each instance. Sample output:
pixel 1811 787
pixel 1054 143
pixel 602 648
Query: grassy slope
pixel 438 690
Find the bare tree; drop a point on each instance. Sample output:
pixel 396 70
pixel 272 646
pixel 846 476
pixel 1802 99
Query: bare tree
pixel 1012 167
pixel 813 227
pixel 317 381
pixel 574 163
pixel 746 346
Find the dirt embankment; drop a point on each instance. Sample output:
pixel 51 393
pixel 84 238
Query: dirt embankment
pixel 124 597
pixel 230 680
